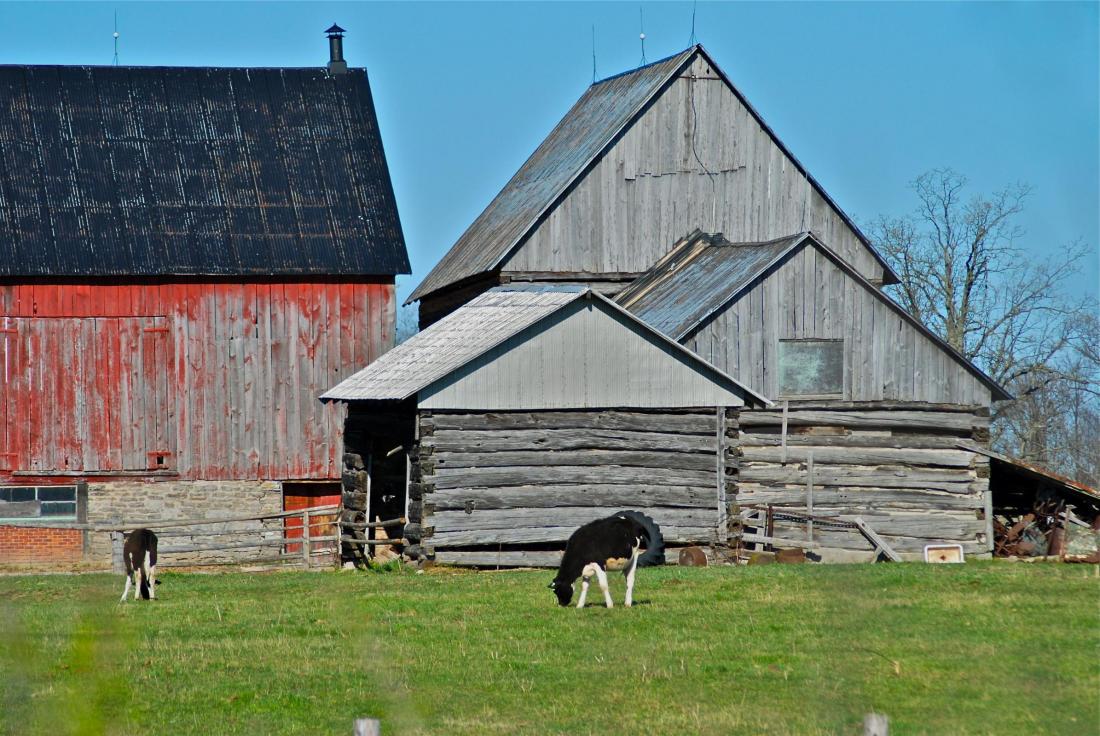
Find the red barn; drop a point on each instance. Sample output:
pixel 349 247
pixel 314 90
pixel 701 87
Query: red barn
pixel 189 257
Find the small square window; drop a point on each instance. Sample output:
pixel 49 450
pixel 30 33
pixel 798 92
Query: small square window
pixel 811 367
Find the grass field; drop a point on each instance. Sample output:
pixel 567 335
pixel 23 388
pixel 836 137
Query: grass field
pixel 985 648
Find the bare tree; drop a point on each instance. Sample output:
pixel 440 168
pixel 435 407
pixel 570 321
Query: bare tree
pixel 408 322
pixel 964 275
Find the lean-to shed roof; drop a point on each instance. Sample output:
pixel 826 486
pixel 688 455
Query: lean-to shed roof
pixel 586 132
pixel 703 274
pixel 119 171
pixel 484 323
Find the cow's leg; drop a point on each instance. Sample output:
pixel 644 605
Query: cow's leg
pixel 129 582
pixel 602 577
pixel 586 573
pixel 630 578
pixel 150 575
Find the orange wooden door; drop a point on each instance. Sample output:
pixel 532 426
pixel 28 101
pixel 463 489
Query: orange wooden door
pixel 301 496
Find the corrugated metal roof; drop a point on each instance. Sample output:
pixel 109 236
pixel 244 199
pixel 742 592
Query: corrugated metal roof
pixel 193 171
pixel 590 127
pixel 703 273
pixel 478 326
pixel 699 275
pixel 1038 472
pixel 449 344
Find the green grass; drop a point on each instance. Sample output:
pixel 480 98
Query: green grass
pixel 986 648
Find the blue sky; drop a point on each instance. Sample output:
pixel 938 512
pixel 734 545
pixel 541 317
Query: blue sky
pixel 867 95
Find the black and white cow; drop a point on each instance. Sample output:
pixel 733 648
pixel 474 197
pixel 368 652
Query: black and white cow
pixel 139 554
pixel 629 538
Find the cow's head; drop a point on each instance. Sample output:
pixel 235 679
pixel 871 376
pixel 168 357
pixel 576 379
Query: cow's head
pixel 563 590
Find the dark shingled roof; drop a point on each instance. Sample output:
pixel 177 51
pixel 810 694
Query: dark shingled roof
pixel 582 137
pixel 108 171
pixel 703 274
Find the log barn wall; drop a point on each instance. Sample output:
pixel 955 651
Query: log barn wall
pixel 510 487
pixel 218 380
pixel 899 467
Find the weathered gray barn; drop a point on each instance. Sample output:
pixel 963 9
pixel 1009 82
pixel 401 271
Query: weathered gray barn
pixel 890 414
pixel 875 416
pixel 642 159
pixel 526 413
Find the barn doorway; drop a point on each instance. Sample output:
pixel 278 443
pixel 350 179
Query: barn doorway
pixel 304 495
pixel 381 440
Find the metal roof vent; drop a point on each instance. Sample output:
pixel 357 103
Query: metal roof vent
pixel 336 63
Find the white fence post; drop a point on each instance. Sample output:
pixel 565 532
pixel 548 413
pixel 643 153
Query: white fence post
pixel 876 724
pixel 368 727
pixel 305 538
pixel 116 552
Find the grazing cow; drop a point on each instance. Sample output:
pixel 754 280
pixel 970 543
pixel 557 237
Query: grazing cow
pixel 629 537
pixel 139 554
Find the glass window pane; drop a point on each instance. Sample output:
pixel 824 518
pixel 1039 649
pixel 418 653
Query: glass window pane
pixel 59 508
pixel 21 494
pixel 57 493
pixel 811 367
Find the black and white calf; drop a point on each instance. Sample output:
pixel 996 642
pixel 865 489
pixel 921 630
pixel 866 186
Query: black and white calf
pixel 629 538
pixel 139 554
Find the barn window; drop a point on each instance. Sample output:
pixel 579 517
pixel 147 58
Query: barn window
pixel 811 367
pixel 20 503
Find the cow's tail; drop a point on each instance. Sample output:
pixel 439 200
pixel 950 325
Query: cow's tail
pixel 146 575
pixel 654 543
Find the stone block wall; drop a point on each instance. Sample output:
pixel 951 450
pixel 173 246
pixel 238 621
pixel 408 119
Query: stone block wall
pixel 135 501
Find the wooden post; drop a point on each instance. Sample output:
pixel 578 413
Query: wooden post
pixel 810 497
pixel 370 482
pixel 305 538
pixel 784 454
pixel 368 727
pixel 116 552
pixel 876 724
pixel 337 531
pixel 723 528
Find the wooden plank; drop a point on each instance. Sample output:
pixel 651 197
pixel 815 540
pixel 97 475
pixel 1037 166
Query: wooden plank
pixel 662 421
pixel 497 477
pixel 539 535
pixel 878 541
pixel 517 558
pixel 854 497
pixel 947 480
pixel 860 456
pixel 472 440
pixel 551 496
pixel 574 516
pixel 598 458
pixel 901 442
pixel 886 419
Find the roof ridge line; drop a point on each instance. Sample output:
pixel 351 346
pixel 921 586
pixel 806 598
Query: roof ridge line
pixel 636 69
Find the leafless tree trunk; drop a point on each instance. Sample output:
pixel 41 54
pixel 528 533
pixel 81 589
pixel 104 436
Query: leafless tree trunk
pixel 964 275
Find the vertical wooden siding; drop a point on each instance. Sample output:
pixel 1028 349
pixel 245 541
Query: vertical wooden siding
pixel 242 366
pixel 808 296
pixel 650 190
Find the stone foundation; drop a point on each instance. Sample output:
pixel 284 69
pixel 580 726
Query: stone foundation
pixel 137 501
